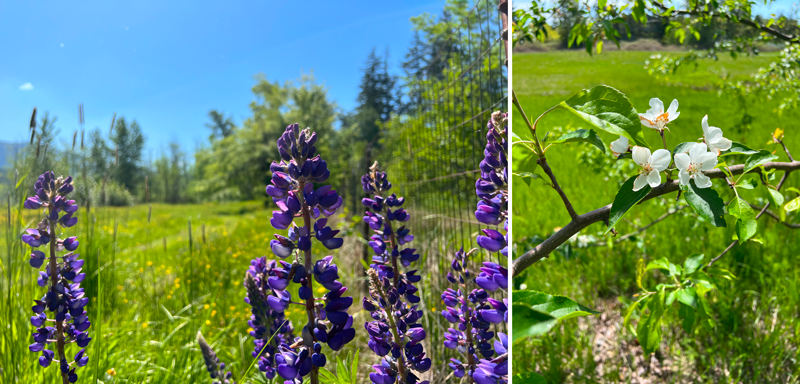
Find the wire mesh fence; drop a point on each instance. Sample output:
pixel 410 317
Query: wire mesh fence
pixel 432 154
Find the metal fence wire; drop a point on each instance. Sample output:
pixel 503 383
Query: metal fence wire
pixel 432 154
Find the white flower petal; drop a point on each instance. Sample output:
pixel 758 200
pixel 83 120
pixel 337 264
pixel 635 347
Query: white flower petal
pixel 673 109
pixel 640 182
pixel 673 116
pixel 660 159
pixel 707 161
pixel 702 181
pixel 712 133
pixel 683 175
pixel 722 144
pixel 620 145
pixel 696 150
pixel 647 120
pixel 705 125
pixel 640 155
pixel 682 160
pixel 657 105
pixel 654 178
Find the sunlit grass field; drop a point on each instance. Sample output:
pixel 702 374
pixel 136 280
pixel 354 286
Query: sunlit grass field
pixel 157 284
pixel 753 333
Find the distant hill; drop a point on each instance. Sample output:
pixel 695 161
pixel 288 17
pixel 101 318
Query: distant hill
pixel 7 151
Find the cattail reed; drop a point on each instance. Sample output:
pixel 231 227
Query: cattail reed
pixel 395 333
pixel 62 275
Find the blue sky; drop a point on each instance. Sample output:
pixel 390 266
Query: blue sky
pixel 785 7
pixel 166 64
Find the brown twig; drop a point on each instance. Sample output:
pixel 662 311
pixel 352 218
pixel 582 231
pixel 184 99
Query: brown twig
pixel 546 168
pixel 763 210
pixel 601 214
pixel 794 39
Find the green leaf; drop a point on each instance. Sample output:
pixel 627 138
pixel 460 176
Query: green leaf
pixel 692 264
pixel 524 163
pixel 560 307
pixel 738 149
pixel 721 272
pixel 584 136
pixel 354 369
pixel 688 315
pixel 641 302
pixel 327 376
pixel 757 159
pixel 529 322
pixel 683 147
pixel 529 378
pixel 640 270
pixel 648 331
pixel 746 219
pixel 661 263
pixel 748 183
pixel 688 296
pixel 792 205
pixel 775 197
pixel 707 203
pixel 608 109
pixel 625 200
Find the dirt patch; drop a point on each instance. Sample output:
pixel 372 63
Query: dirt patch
pixel 619 358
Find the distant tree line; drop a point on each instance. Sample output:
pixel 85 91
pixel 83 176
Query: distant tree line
pixel 233 164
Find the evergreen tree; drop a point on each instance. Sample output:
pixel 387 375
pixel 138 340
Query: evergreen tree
pixel 128 143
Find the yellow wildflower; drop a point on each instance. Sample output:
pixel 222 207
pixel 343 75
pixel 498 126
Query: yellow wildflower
pixel 205 306
pixel 144 325
pixel 149 263
pixel 208 322
pixel 111 372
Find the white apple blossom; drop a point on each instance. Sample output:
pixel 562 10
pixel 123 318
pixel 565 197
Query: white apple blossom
pixel 712 136
pixel 693 165
pixel 656 118
pixel 619 146
pixel 652 166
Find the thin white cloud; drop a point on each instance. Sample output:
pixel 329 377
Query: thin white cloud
pixel 26 87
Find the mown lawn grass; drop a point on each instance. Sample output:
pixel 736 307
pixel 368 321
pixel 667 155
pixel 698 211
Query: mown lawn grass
pixel 752 334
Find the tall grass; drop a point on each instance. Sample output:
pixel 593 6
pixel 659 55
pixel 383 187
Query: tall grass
pixel 153 283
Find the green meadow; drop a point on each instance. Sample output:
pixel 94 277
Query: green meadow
pixel 158 274
pixel 752 334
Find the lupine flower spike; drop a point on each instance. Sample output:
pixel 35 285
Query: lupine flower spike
pixel 492 186
pixel 215 369
pixel 292 190
pixel 270 327
pixel 472 312
pixel 395 333
pixel 62 276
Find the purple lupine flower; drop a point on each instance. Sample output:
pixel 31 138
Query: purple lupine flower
pixel 293 192
pixel 492 187
pixel 215 369
pixel 62 275
pixel 395 333
pixel 472 312
pixel 270 327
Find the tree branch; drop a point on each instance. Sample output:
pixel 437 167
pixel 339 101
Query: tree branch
pixel 546 168
pixel 750 23
pixel 601 214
